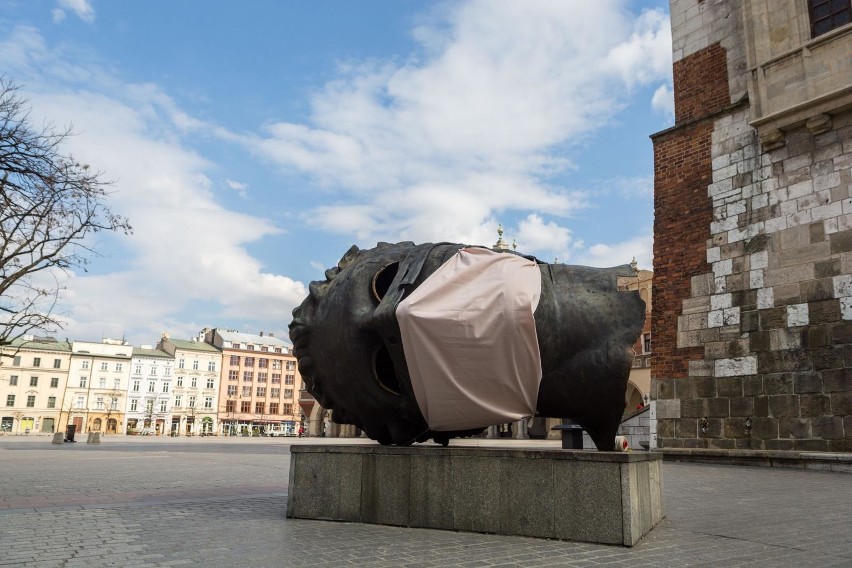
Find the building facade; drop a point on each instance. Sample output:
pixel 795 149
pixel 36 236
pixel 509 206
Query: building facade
pixel 95 396
pixel 639 382
pixel 197 369
pixel 260 384
pixel 150 392
pixel 33 375
pixel 752 320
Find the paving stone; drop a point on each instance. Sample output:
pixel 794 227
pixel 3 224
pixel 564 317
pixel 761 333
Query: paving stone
pixel 209 504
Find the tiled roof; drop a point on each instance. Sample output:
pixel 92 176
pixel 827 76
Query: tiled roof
pixel 193 345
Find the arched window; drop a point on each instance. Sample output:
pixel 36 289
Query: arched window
pixel 96 425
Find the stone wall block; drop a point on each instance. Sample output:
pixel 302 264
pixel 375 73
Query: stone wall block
pixel 705 387
pixel 841 403
pixel 718 407
pixel 710 428
pixel 666 428
pixel 735 428
pixel 781 339
pixel 701 368
pixel 783 445
pixel 791 427
pixel 807 383
pixel 837 380
pixel 686 428
pixel 668 409
pixel 765 428
pixel 826 311
pixel 827 427
pixel 784 406
pixel 694 408
pixel 844 445
pixel 818 336
pixel 827 268
pixel 749 321
pixel 742 406
pixel 786 294
pixel 663 389
pixel 752 385
pixel 784 361
pixel 781 383
pixel 841 242
pixel 684 388
pixel 827 358
pixel 816 290
pixel 773 318
pixel 737 366
pixel 729 386
pixel 841 332
pixel 761 406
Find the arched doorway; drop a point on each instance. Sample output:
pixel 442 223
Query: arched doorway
pixel 112 426
pixel 96 425
pixel 632 398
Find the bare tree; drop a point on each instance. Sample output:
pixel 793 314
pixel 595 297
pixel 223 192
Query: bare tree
pixel 50 205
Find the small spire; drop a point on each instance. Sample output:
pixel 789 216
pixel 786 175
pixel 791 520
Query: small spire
pixel 514 244
pixel 500 244
pixel 634 265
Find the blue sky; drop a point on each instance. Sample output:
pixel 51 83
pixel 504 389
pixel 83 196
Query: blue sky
pixel 252 144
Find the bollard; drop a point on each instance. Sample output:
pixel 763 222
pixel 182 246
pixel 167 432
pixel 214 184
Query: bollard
pixel 572 435
pixel 58 437
pixel 94 438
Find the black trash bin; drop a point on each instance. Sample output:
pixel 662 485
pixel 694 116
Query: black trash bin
pixel 70 430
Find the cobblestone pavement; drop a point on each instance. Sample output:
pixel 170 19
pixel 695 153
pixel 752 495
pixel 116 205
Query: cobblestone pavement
pixel 212 502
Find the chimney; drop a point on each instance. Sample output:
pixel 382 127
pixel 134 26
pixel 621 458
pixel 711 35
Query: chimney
pixel 271 335
pixel 261 334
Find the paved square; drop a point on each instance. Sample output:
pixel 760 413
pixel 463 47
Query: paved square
pixel 221 502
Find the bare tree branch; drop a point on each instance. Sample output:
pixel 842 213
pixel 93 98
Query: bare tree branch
pixel 50 205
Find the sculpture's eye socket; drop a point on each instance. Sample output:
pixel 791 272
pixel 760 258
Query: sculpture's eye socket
pixel 382 280
pixel 384 371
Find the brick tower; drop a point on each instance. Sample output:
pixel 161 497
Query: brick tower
pixel 752 319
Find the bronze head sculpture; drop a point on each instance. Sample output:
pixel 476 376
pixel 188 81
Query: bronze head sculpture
pixel 378 347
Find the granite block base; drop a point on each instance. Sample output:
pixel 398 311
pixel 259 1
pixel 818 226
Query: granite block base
pixel 601 497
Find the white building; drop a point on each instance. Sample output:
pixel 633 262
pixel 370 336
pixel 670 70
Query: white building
pixel 150 391
pixel 97 386
pixel 196 386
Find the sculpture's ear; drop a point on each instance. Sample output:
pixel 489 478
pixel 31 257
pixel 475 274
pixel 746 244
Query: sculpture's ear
pixel 349 257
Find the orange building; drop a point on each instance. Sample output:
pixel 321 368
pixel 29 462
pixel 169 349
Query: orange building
pixel 259 389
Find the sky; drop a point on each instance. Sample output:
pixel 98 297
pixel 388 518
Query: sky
pixel 251 144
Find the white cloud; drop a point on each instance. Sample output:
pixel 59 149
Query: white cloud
pixel 58 15
pixel 186 247
pixel 641 247
pixel 240 188
pixel 473 126
pixel 663 101
pixel 544 239
pixel 81 8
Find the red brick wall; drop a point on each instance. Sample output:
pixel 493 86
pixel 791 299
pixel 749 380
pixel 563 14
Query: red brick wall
pixel 682 216
pixel 682 209
pixel 701 84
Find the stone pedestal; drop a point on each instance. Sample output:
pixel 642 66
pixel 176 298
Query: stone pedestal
pixel 602 497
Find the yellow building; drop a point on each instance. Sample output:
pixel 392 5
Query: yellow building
pixel 33 375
